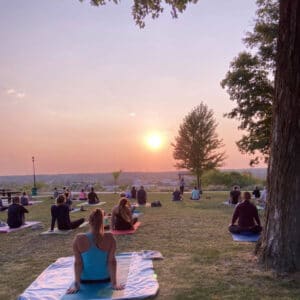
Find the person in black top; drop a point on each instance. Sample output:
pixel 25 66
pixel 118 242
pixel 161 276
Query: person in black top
pixel 235 195
pixel 247 216
pixel 93 197
pixel 141 196
pixel 61 213
pixel 256 193
pixel 16 214
pixel 177 195
pixel 133 193
pixel 24 199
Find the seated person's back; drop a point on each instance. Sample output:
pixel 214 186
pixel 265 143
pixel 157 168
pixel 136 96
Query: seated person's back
pixel 141 196
pixel 16 214
pixel 121 218
pixel 94 253
pixel 93 197
pixel 61 213
pixel 82 195
pixel 195 194
pixel 24 199
pixel 235 195
pixel 247 215
pixel 176 195
pixel 256 193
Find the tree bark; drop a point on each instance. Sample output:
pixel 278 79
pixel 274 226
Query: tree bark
pixel 280 246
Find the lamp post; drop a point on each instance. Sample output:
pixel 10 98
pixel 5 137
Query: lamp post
pixel 34 189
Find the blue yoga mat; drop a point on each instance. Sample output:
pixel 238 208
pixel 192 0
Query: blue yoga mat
pixel 245 237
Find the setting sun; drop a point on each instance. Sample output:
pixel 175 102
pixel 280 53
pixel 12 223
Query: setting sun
pixel 154 141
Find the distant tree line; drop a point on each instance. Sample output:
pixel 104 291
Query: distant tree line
pixel 226 180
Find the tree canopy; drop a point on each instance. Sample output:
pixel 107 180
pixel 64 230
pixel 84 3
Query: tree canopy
pixel 250 82
pixel 197 144
pixel 154 8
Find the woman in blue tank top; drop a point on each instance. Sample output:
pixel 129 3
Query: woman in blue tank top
pixel 94 253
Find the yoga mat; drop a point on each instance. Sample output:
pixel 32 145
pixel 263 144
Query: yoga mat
pixel 245 237
pixel 260 207
pixel 6 229
pixel 228 204
pixel 136 214
pixel 87 204
pixel 74 210
pixel 56 231
pixel 122 232
pixel 63 232
pixel 132 270
pixel 139 205
pixel 34 202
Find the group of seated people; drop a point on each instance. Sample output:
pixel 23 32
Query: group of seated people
pixel 259 197
pixel 121 216
pixel 95 250
pixel 178 196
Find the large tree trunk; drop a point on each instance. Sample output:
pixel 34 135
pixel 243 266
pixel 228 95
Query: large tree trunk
pixel 280 248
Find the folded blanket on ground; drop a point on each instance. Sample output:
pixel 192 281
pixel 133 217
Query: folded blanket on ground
pixel 6 229
pixel 131 231
pixel 133 270
pixel 245 237
pixel 87 204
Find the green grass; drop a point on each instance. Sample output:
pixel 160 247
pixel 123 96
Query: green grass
pixel 201 260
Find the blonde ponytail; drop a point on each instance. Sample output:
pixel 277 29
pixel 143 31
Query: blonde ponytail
pixel 96 222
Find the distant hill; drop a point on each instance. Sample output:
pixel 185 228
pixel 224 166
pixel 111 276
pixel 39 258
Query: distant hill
pixel 126 178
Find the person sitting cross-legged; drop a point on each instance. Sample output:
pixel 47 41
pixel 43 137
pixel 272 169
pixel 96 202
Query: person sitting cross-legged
pixel 61 213
pixel 195 194
pixel 24 199
pixel 93 197
pixel 16 214
pixel 121 218
pixel 141 196
pixel 247 215
pixel 94 253
pixel 177 196
pixel 82 195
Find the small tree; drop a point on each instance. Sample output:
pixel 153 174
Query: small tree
pixel 197 142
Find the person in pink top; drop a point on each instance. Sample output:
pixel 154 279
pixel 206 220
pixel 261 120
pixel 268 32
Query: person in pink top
pixel 82 195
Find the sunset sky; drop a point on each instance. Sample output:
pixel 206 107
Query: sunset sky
pixel 82 87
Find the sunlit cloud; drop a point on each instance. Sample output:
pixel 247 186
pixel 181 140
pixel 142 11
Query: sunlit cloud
pixel 14 93
pixel 132 114
pixel 20 95
pixel 10 92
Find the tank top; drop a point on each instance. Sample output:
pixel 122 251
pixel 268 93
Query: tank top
pixel 95 266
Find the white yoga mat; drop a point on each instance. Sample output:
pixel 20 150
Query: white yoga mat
pixel 133 270
pixel 62 232
pixel 6 229
pixel 87 204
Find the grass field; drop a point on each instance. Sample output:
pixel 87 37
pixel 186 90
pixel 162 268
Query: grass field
pixel 201 260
